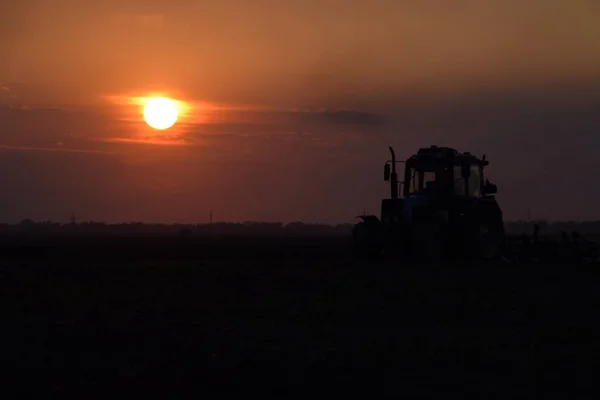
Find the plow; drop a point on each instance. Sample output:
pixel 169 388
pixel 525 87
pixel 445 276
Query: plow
pixel 571 248
pixel 445 209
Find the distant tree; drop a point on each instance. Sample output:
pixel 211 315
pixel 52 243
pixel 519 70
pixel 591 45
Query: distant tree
pixel 27 223
pixel 185 232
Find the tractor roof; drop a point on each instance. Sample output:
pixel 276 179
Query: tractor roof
pixel 443 155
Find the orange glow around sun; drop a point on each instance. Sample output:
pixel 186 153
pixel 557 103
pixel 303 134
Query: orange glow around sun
pixel 163 110
pixel 160 112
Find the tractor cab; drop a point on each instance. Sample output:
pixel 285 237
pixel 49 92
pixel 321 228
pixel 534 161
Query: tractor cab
pixel 439 179
pixel 443 171
pixel 439 171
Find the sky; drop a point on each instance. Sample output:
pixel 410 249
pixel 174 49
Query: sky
pixel 288 107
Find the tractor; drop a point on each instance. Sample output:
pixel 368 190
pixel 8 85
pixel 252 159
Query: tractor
pixel 442 210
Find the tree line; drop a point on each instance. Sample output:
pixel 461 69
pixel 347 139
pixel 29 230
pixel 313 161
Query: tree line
pixel 259 228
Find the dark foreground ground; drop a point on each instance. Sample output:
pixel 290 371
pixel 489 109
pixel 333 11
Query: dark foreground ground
pixel 285 316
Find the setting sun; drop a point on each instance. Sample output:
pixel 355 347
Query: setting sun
pixel 160 113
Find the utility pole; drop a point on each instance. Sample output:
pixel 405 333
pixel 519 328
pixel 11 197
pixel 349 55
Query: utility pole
pixel 210 217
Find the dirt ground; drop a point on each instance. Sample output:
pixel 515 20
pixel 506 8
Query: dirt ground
pixel 285 316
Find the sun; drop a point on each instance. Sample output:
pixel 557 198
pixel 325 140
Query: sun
pixel 160 113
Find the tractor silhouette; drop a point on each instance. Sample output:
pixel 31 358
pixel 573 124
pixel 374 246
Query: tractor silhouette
pixel 443 209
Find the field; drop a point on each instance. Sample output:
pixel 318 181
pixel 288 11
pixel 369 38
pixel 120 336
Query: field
pixel 286 315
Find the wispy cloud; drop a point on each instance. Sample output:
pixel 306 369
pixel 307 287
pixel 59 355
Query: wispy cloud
pixel 5 94
pixel 219 122
pixel 346 117
pixel 161 141
pixel 55 149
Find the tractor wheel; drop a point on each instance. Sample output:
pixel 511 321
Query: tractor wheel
pixel 427 240
pixel 366 240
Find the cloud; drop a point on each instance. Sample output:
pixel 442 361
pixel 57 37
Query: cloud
pixel 55 149
pixel 259 124
pixel 5 94
pixel 346 117
pixel 252 119
pixel 55 130
pixel 154 140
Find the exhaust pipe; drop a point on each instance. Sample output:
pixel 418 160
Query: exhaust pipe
pixel 394 176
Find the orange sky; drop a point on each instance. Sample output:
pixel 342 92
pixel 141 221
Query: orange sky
pixel 291 104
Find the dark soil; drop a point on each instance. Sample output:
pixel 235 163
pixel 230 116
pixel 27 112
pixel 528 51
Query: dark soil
pixel 286 316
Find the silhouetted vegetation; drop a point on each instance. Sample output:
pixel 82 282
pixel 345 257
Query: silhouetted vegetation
pixel 249 228
pixel 553 227
pixel 252 228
